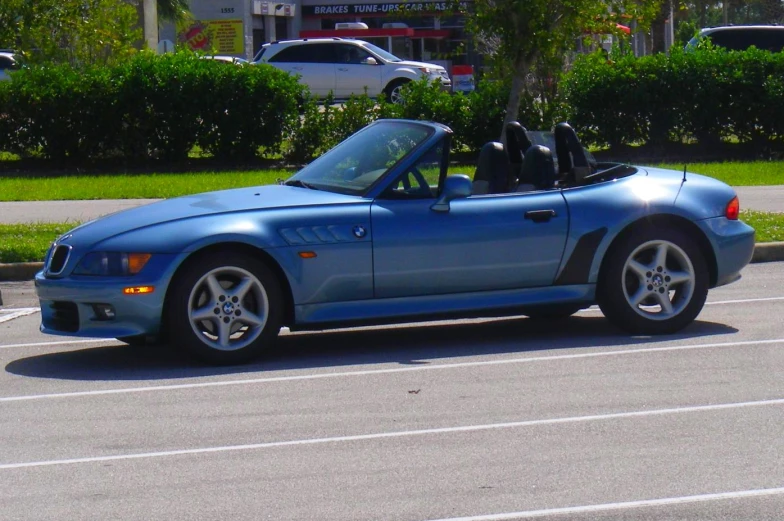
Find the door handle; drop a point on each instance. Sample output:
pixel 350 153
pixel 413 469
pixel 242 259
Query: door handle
pixel 343 69
pixel 540 216
pixel 296 68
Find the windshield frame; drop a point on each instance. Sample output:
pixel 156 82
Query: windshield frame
pixel 384 178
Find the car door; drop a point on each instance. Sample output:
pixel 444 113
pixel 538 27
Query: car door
pixel 314 63
pixel 352 72
pixel 483 243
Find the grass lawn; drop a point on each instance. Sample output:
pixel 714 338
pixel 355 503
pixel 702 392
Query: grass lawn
pixel 29 242
pixel 753 173
pixel 163 185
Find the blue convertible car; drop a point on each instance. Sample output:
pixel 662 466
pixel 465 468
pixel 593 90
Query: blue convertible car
pixel 375 231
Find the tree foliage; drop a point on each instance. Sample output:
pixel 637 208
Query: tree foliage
pixel 78 32
pixel 524 32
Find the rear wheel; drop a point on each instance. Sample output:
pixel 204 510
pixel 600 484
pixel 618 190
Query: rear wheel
pixel 225 308
pixel 655 282
pixel 394 91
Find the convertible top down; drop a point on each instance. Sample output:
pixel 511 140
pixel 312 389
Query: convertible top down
pixel 375 231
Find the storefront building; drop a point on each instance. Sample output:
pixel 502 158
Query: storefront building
pixel 422 31
pixel 426 31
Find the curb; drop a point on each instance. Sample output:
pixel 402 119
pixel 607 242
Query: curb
pixel 763 252
pixel 19 271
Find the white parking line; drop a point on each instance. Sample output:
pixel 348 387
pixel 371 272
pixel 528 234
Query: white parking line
pixel 587 509
pixel 372 372
pixel 400 434
pixel 10 314
pixel 595 308
pixel 60 343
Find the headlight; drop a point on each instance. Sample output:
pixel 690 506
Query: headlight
pixel 112 264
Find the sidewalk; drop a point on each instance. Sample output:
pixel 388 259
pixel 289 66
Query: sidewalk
pixel 61 211
pixel 760 198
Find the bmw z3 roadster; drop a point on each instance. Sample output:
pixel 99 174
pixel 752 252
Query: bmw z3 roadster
pixel 375 231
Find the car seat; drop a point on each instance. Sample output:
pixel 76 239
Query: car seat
pixel 573 161
pixel 538 167
pixel 517 142
pixel 492 170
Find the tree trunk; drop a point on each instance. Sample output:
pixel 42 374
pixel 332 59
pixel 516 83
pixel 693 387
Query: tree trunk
pixel 518 84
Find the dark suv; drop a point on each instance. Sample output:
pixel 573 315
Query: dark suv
pixel 741 37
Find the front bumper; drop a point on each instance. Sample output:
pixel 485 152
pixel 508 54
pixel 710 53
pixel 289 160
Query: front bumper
pixel 70 306
pixel 733 245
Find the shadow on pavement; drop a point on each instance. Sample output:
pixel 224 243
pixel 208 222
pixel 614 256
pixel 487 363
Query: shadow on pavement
pixel 403 345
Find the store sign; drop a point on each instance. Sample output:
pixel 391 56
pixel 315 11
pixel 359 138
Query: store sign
pixel 218 36
pixel 377 9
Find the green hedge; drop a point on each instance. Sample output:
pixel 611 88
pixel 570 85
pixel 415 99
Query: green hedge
pixel 475 118
pixel 705 95
pixel 149 107
pixel 162 107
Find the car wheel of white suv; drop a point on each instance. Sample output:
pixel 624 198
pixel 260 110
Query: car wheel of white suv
pixel 394 90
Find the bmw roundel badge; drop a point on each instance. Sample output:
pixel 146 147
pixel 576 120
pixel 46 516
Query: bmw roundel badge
pixel 359 231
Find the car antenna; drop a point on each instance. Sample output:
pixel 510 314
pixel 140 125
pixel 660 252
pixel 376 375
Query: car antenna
pixel 684 174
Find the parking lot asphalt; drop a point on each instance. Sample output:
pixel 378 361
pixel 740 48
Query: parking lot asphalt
pixel 477 420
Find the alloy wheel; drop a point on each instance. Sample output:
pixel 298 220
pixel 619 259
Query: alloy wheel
pixel 658 280
pixel 228 308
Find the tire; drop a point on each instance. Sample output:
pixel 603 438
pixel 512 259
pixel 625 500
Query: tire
pixel 393 91
pixel 225 308
pixel 654 282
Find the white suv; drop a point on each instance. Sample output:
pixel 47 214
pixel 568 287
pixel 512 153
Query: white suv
pixel 9 61
pixel 347 66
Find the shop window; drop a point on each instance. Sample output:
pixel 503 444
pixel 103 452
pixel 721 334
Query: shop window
pixel 448 22
pixel 329 23
pixel 281 28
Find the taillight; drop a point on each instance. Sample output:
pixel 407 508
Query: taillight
pixel 733 209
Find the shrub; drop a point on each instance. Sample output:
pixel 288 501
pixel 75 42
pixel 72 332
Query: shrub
pixel 250 107
pixel 150 106
pixel 705 95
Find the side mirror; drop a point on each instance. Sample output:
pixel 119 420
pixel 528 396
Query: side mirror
pixel 456 186
pixel 369 61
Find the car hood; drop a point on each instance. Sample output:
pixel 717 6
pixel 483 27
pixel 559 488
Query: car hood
pixel 407 63
pixel 208 203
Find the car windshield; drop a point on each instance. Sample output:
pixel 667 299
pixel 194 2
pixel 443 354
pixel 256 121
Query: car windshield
pixel 388 56
pixel 361 160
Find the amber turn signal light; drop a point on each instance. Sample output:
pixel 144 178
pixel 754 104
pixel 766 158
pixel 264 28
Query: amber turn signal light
pixel 138 290
pixel 136 262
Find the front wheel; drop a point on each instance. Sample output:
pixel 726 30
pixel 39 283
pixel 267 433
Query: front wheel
pixel 655 282
pixel 394 91
pixel 225 308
